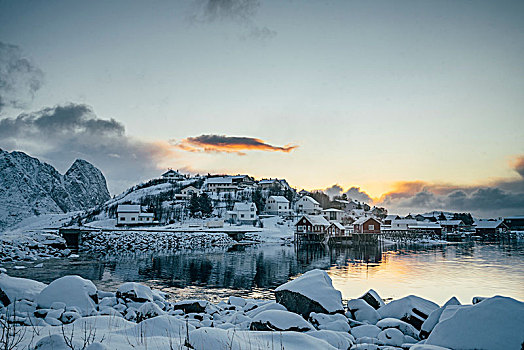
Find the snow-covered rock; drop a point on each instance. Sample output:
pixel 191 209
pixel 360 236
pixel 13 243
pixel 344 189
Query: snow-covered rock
pixel 132 291
pixel 14 288
pixel 434 318
pixel 71 290
pixel 191 306
pixel 362 311
pixel 148 310
pixel 311 292
pixel 411 309
pixel 372 298
pixel 494 323
pixel 391 336
pixel 340 340
pixel 160 326
pixel 278 320
pixel 402 326
pixel 367 330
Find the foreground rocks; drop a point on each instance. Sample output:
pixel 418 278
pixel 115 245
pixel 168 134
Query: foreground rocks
pixel 71 313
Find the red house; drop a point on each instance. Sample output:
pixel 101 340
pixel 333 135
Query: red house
pixel 366 225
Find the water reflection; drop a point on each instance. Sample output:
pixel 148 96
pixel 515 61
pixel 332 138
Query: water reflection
pixel 437 272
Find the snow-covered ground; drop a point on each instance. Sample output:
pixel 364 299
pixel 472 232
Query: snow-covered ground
pixel 70 313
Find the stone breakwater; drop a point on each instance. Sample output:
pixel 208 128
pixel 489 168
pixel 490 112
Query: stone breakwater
pixel 38 245
pixel 307 313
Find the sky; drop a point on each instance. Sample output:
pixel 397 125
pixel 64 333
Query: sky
pixel 412 105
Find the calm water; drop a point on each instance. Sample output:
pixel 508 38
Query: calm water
pixel 437 273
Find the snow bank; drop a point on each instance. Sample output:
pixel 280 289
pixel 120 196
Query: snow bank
pixel 219 339
pixel 278 320
pixel 495 323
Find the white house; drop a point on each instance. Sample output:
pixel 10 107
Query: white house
pixel 333 214
pixel 173 175
pixel 307 205
pixel 220 184
pixel 277 205
pixel 245 213
pixel 131 214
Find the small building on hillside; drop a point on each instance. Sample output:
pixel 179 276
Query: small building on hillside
pixel 307 205
pixel 220 184
pixel 366 225
pixel 490 228
pixel 333 214
pixel 277 205
pixel 402 224
pixel 243 213
pixel 173 175
pixel 132 214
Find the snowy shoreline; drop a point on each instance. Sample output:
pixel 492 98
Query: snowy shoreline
pixel 307 312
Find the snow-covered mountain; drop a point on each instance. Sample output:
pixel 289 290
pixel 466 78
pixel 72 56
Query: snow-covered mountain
pixel 30 187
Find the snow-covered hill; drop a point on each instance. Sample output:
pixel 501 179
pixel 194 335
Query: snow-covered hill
pixel 30 187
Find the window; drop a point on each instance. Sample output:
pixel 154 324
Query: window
pixel 279 207
pixel 371 227
pixel 123 218
pixel 241 215
pixel 133 219
pixel 252 216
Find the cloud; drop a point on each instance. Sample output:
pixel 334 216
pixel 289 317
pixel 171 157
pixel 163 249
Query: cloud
pixel 20 79
pixel 333 191
pixel 497 198
pixel 241 12
pixel 63 133
pixel 228 144
pixel 356 194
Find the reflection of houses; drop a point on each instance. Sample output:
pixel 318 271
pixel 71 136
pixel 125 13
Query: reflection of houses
pixel 277 205
pixel 245 213
pixel 490 228
pixel 367 225
pixel 307 205
pixel 131 214
pixel 311 228
pixel 333 214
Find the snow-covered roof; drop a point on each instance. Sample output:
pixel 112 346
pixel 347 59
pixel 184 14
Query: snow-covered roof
pixel 317 220
pixel 279 199
pixel 391 217
pixel 488 224
pixel 147 215
pixel 338 225
pixel 342 201
pixel 362 220
pixel 171 172
pixel 128 208
pixel 333 210
pixel 432 225
pixel 244 206
pixel 450 222
pixel 267 181
pixel 310 199
pixel 219 180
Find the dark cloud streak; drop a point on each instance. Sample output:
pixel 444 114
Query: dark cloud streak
pixel 228 144
pixel 20 79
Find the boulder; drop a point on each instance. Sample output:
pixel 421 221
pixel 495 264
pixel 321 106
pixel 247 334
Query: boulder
pixel 311 292
pixel 191 306
pixel 269 306
pixel 494 323
pixel 340 340
pixel 278 320
pixel 132 291
pixel 14 288
pixel 362 311
pixel 373 299
pixel 411 309
pixel 391 336
pixel 148 310
pixel 72 291
pixel 402 326
pixel 434 317
pixel 367 330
